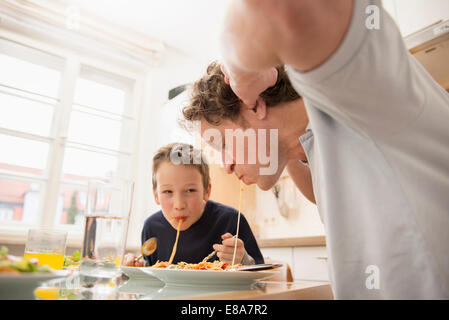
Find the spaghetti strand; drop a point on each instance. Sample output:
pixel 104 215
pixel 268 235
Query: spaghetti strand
pixel 238 223
pixel 176 242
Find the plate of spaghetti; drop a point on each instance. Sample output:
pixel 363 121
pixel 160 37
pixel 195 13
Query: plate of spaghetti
pixel 137 273
pixel 216 265
pixel 205 274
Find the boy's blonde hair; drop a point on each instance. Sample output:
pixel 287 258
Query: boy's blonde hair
pixel 181 154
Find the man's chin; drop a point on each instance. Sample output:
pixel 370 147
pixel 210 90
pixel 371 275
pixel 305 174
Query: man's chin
pixel 265 185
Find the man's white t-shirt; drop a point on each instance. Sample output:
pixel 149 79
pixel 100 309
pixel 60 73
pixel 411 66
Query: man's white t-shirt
pixel 378 150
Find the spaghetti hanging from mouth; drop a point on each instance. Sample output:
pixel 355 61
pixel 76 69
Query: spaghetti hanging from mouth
pixel 238 223
pixel 176 241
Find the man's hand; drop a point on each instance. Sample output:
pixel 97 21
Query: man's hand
pixel 225 250
pixel 259 34
pixel 248 86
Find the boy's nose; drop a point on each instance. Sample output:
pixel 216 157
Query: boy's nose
pixel 179 203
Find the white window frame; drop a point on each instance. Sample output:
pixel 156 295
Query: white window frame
pixel 15 232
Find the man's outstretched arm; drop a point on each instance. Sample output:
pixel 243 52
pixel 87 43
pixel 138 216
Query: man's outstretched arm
pixel 259 35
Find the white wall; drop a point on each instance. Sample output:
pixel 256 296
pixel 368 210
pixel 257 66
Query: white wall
pixel 304 222
pixel 413 15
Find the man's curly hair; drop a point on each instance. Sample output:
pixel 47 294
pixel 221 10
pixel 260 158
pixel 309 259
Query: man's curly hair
pixel 213 100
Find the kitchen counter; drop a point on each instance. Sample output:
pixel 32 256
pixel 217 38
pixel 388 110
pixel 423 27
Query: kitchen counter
pixel 313 241
pixel 277 290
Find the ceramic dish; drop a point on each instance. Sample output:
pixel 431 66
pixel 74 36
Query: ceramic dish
pixel 21 286
pixel 209 278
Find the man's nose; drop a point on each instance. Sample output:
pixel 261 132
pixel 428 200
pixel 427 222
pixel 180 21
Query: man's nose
pixel 229 168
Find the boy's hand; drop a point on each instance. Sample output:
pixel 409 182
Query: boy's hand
pixel 129 260
pixel 225 250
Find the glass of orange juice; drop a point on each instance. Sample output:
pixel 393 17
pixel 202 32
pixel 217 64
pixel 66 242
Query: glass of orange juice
pixel 47 246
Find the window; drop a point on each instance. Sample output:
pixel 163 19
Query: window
pixel 29 85
pixel 62 122
pixel 97 145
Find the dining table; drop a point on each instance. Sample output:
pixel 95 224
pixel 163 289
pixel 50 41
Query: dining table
pixel 75 287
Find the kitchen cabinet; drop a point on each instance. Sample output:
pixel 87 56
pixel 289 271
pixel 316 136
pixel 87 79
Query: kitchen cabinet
pixel 307 258
pixel 310 263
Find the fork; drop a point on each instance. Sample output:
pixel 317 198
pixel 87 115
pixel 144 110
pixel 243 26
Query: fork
pixel 210 255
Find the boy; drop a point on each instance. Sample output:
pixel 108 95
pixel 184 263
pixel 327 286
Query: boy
pixel 182 190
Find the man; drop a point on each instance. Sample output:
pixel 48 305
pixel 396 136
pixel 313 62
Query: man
pixel 377 144
pixel 217 107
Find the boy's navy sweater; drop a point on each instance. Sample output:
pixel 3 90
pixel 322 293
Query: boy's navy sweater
pixel 196 242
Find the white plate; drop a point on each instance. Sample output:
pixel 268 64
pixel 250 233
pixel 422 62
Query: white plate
pixel 188 292
pixel 137 273
pixel 209 278
pixel 21 286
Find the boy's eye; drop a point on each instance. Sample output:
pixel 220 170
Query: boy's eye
pixel 167 191
pixel 191 190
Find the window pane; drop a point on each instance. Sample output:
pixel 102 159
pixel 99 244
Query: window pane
pixel 80 164
pixel 71 205
pixel 22 155
pixel 25 115
pixel 29 76
pixel 94 94
pixel 19 200
pixel 94 130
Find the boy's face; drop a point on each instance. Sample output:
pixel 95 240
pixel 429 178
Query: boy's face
pixel 180 193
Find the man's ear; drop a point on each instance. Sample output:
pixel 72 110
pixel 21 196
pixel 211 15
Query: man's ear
pixel 259 110
pixel 156 197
